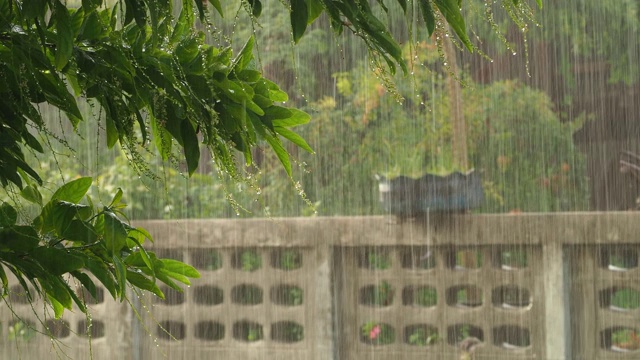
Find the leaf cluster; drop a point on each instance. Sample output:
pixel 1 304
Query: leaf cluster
pixel 150 73
pixel 73 240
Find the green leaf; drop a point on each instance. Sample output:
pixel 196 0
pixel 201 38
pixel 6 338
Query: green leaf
pixel 294 138
pixel 250 76
pixel 403 5
pixel 162 276
pixel 64 43
pixel 188 49
pixel 115 234
pixel 381 37
pixel 19 239
pixel 58 309
pixel 34 8
pixel 277 147
pixel 5 281
pixel 26 168
pixel 80 231
pixel 315 9
pixel 262 101
pixel 93 28
pixel 216 4
pixel 116 198
pixel 102 273
pixel 56 93
pixel 56 261
pixel 270 89
pixel 191 145
pixel 181 268
pixel 244 57
pixel 60 214
pixel 57 215
pixel 135 9
pixel 277 113
pixel 8 215
pixel 140 235
pixel 201 8
pixel 162 273
pixel 539 2
pixel 112 131
pixel 86 281
pixel 121 275
pixel 256 7
pixel 73 191
pixel 428 15
pixel 296 118
pixel 299 18
pixel 99 224
pixel 161 138
pixel 135 260
pixel 31 193
pixel 142 282
pixel 147 260
pixel 90 5
pixel 31 141
pixel 20 279
pixel 77 19
pixel 182 25
pixel 451 12
pixel 57 289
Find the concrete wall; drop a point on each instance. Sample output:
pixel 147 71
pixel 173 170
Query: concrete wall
pixel 522 286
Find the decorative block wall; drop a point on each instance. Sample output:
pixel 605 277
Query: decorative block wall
pixel 556 286
pixel 607 320
pixel 105 335
pixel 249 301
pixel 417 301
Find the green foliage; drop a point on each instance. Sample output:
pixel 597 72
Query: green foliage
pixel 463 332
pixel 425 297
pixel 577 32
pixel 528 158
pixel 420 337
pixel 294 296
pixel 627 339
pixel 156 72
pixel 249 295
pixel 525 155
pixel 378 261
pixel 514 258
pixel 290 260
pixel 294 333
pixel 626 298
pixel 254 334
pixel 71 238
pixel 215 260
pixel 376 333
pixel 21 330
pixel 250 260
pixel 382 294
